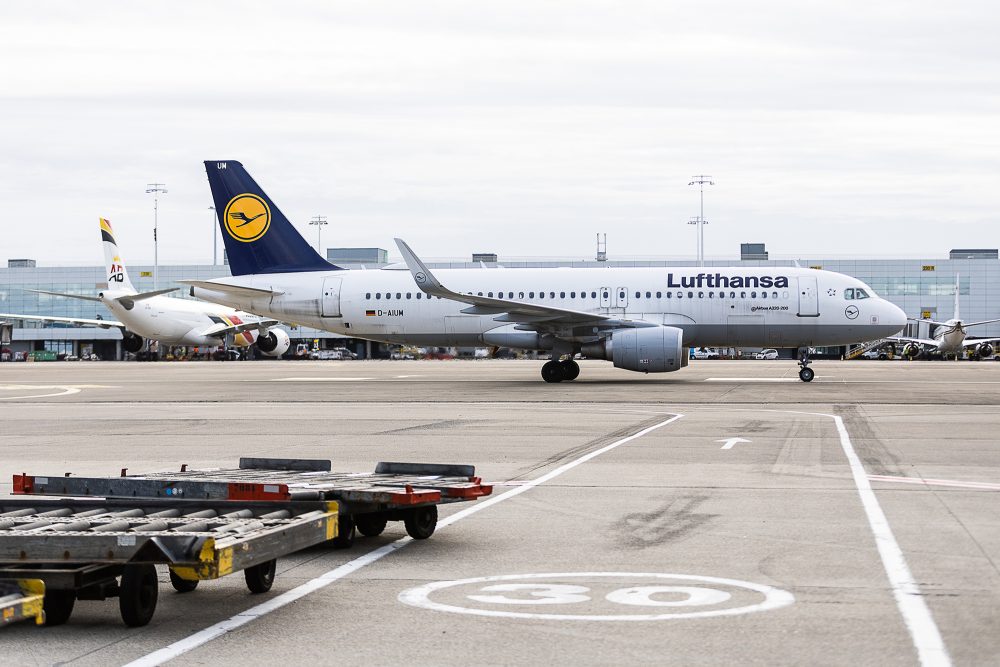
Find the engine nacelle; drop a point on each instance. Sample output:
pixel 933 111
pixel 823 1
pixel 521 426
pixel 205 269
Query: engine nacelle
pixel 911 350
pixel 984 350
pixel 132 342
pixel 646 350
pixel 274 343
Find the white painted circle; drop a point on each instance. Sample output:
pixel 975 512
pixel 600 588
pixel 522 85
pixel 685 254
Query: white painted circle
pixel 642 596
pixel 636 596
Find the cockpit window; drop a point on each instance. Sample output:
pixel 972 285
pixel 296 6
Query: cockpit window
pixel 849 294
pixel 860 294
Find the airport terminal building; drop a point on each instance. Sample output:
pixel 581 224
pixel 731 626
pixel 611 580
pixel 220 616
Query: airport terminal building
pixel 921 287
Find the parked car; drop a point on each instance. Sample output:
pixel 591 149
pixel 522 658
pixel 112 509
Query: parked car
pixel 705 353
pixel 769 353
pixel 875 354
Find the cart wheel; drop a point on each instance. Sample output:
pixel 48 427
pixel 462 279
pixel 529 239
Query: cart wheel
pixel 370 525
pixel 345 532
pixel 58 605
pixel 182 585
pixel 137 594
pixel 421 522
pixel 260 578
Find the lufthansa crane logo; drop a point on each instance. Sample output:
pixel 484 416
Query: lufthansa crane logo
pixel 247 217
pixel 852 312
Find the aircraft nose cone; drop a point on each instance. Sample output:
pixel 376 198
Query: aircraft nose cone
pixel 896 318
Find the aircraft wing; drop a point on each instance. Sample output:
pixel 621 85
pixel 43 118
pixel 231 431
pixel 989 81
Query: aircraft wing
pixel 104 324
pixel 928 342
pixel 528 315
pixel 69 296
pixel 223 328
pixel 976 341
pixel 235 290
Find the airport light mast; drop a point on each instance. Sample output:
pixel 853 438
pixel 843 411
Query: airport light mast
pixel 701 180
pixel 319 221
pixel 156 189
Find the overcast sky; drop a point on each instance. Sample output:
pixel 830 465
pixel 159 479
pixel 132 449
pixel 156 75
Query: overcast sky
pixel 522 128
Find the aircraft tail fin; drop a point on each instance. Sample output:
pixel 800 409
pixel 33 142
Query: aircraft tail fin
pixel 113 264
pixel 258 237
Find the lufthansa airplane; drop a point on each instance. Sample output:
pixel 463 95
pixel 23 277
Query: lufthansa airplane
pixel 150 315
pixel 948 338
pixel 640 319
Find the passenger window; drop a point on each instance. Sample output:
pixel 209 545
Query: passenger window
pixel 606 295
pixel 659 295
pixel 753 295
pixel 669 294
pixel 701 295
pixel 378 295
pixel 409 295
pixel 562 295
pixel 860 293
pixel 552 295
pixel 418 295
pixel 399 295
pixel 711 295
pixel 690 295
pixel 849 294
pixel 572 295
pixel 638 294
pixel 763 295
pixel 649 295
pixel 621 295
pixel 489 294
pixel 368 295
pixel 743 295
pixel 593 295
pixel 680 295
pixel 774 295
pixel 531 295
pixel 520 295
pixel 732 295
pixel 479 293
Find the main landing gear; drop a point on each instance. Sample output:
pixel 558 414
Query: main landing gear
pixel 557 371
pixel 806 374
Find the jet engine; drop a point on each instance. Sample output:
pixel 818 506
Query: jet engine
pixel 132 342
pixel 646 350
pixel 911 350
pixel 984 350
pixel 274 343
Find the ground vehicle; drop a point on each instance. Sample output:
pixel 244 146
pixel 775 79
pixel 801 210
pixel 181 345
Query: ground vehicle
pixel 768 353
pixel 326 354
pixel 102 537
pixel 875 354
pixel 705 353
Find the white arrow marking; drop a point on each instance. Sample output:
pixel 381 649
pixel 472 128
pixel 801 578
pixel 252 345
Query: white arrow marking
pixel 732 441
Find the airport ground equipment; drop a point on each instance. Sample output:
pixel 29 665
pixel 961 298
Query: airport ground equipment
pixel 103 536
pixel 20 600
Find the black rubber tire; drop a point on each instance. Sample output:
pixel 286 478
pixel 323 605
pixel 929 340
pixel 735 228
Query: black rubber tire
pixel 345 533
pixel 137 594
pixel 370 525
pixel 58 605
pixel 260 577
pixel 571 370
pixel 420 522
pixel 182 585
pixel 807 374
pixel 552 371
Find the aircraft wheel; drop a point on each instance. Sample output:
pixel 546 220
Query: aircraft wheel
pixel 806 374
pixel 571 369
pixel 552 371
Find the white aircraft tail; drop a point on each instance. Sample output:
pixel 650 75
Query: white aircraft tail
pixel 116 272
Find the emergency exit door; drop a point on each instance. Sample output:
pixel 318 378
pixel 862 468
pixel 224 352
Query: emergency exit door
pixel 331 297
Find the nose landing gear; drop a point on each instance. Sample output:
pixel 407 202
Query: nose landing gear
pixel 806 374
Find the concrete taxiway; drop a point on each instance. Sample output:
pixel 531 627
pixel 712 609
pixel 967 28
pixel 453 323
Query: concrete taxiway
pixel 724 513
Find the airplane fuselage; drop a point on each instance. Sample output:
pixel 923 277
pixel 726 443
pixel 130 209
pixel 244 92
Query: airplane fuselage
pixel 717 306
pixel 173 321
pixel 950 337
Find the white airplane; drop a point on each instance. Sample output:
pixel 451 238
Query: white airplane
pixel 171 321
pixel 948 338
pixel 641 319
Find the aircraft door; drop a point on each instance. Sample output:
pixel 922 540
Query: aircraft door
pixel 605 297
pixel 331 297
pixel 808 297
pixel 621 297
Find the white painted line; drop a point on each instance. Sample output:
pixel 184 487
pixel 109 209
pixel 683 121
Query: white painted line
pixel 66 389
pixel 795 379
pixel 923 631
pixel 982 486
pixel 201 637
pixel 319 379
pixel 732 441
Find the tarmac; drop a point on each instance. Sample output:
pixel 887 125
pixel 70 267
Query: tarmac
pixel 724 513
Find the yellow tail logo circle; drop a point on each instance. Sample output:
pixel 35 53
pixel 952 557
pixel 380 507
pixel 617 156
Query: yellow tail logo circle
pixel 247 217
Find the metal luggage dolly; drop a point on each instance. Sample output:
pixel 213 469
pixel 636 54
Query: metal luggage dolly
pixel 21 599
pixel 204 524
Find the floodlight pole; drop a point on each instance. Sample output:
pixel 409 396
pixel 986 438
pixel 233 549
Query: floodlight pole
pixel 701 180
pixel 215 239
pixel 156 189
pixel 319 221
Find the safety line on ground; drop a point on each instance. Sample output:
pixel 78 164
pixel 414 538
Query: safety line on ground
pixel 201 637
pixel 916 614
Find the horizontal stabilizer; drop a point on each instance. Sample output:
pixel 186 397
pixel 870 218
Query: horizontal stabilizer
pixel 233 290
pixel 69 296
